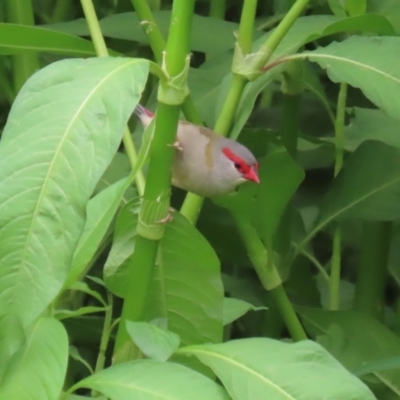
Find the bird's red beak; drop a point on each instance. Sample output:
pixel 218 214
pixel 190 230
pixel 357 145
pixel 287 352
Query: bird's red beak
pixel 252 175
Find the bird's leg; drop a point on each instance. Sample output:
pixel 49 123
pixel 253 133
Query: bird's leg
pixel 168 218
pixel 176 145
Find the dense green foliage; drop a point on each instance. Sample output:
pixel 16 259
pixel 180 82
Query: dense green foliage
pixel 283 290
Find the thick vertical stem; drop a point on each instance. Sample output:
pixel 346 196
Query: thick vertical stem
pixel 334 281
pixel 288 314
pixel 269 277
pixel 373 268
pixel 157 191
pixel 157 44
pixel 24 65
pixel 290 122
pixel 217 8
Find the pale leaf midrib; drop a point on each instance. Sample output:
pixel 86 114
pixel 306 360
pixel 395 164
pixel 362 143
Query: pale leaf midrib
pixel 350 61
pixel 243 367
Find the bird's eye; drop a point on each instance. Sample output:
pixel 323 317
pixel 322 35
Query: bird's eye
pixel 237 166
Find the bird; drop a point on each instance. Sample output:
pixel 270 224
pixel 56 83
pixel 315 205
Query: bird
pixel 205 162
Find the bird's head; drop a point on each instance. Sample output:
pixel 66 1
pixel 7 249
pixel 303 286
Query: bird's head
pixel 243 161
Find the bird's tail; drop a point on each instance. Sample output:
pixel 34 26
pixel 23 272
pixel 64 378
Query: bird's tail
pixel 145 116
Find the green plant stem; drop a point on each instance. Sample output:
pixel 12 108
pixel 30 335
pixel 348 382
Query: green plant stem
pixel 191 207
pixel 335 274
pixel 140 277
pixel 290 122
pixel 334 281
pixel 157 192
pixel 372 268
pixel 288 314
pixel 101 51
pixel 246 26
pixel 339 127
pixel 153 33
pixel 217 9
pixel 157 45
pixel 94 28
pixel 269 276
pixel 280 31
pixel 61 10
pixel 24 65
pixel 105 338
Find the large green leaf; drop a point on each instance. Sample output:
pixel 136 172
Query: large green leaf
pixel 261 368
pixel 368 63
pixel 368 187
pixel 153 380
pixel 154 341
pixel 304 30
pixel 356 340
pixel 370 124
pixel 63 130
pixel 17 39
pixel 37 370
pixel 187 288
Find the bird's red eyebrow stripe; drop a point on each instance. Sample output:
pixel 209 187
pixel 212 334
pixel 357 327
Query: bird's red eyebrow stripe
pixel 233 157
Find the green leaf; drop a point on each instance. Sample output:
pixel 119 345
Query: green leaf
pixel 74 354
pixel 53 151
pixel 337 7
pixel 367 187
pixel 378 366
pixel 261 368
pixel 101 210
pixel 351 7
pixel 153 380
pixel 367 63
pixel 356 340
pixel 187 287
pixel 18 39
pixel 84 287
pixel 153 341
pixel 37 370
pixel 12 337
pixel 313 84
pixel 356 7
pixel 315 153
pixel 236 308
pixel 118 169
pixel 369 124
pixel 387 8
pixel 265 203
pixel 118 260
pixel 304 30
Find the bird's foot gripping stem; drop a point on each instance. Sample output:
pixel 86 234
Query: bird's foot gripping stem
pixel 168 218
pixel 176 145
